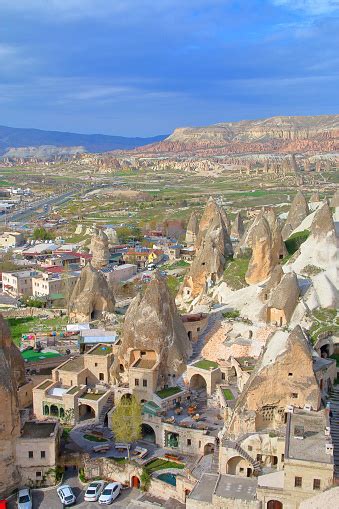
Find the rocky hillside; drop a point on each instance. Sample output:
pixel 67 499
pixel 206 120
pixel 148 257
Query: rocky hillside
pixel 276 134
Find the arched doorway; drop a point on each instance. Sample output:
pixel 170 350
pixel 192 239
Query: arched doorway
pixel 148 433
pixel 274 504
pixel 208 449
pixel 54 411
pixel 198 382
pixel 126 396
pixel 238 466
pixel 86 412
pixel 135 482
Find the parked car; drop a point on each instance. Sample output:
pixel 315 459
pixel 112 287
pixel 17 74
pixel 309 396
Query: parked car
pixel 110 493
pixel 66 495
pixel 3 504
pixel 24 499
pixel 94 491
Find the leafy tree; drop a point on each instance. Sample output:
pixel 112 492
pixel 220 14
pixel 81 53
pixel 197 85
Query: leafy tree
pixel 126 421
pixel 40 233
pixel 125 234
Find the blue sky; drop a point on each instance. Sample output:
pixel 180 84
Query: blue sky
pixel 144 67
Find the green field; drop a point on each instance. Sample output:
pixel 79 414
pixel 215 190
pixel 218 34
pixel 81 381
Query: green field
pixel 205 364
pixel 31 324
pixel 30 355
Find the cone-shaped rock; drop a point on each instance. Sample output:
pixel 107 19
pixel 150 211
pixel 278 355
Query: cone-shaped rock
pixel 153 325
pixel 283 300
pixel 192 228
pixel 213 248
pixel 99 249
pixel 274 280
pixel 323 224
pixel 315 197
pixel 297 213
pixel 91 296
pixel 262 261
pixel 12 375
pixel 335 199
pixel 278 245
pixel 238 229
pixel 285 368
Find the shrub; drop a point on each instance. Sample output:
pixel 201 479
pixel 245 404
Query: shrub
pixel 294 242
pixel 231 314
pixel 145 480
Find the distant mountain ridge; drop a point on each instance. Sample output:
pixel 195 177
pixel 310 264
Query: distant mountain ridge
pixel 19 137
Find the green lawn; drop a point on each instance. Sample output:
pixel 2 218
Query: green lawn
pixel 205 364
pixel 169 391
pixel 30 355
pixel 228 394
pixel 161 464
pixel 94 438
pixel 20 326
pixel 234 275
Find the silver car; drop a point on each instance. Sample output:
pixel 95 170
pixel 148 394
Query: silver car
pixel 25 499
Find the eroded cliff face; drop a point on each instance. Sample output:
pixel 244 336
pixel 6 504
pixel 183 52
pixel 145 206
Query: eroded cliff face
pixel 152 323
pixel 12 375
pixel 283 376
pixel 91 296
pixel 213 247
pixel 263 258
pixel 192 229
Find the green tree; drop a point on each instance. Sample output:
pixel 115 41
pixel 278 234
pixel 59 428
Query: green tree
pixel 126 421
pixel 40 233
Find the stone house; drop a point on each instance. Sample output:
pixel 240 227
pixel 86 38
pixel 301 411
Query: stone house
pixel 11 239
pixel 37 452
pixel 19 283
pixel 283 300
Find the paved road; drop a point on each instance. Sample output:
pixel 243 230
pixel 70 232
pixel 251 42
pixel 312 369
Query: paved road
pixel 48 498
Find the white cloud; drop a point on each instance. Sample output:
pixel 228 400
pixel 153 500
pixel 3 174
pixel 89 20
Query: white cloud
pixel 312 7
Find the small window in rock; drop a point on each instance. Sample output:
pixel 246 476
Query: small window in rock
pixel 250 448
pixel 43 454
pixel 241 469
pixel 38 474
pixel 294 395
pixel 189 441
pixel 298 482
pixel 136 382
pixel 290 374
pixel 144 383
pixel 316 484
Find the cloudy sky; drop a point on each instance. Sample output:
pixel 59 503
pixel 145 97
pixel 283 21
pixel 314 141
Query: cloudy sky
pixel 144 67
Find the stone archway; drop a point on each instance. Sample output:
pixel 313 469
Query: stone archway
pixel 54 411
pixel 125 396
pixel 86 412
pixel 148 433
pixel 208 449
pixel 198 382
pixel 237 465
pixel 274 504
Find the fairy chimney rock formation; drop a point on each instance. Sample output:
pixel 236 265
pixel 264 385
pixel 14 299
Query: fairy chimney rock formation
pixel 91 296
pixel 238 229
pixel 283 376
pixel 213 247
pixel 153 326
pixel 315 198
pixel 297 213
pixel 262 260
pixel 335 199
pixel 322 224
pixel 99 249
pixel 279 250
pixel 283 300
pixel 272 283
pixel 12 375
pixel 192 228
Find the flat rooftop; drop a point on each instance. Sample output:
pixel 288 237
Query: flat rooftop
pixel 306 438
pixel 233 486
pixel 100 350
pixel 204 489
pixel 76 365
pixel 144 363
pixel 38 429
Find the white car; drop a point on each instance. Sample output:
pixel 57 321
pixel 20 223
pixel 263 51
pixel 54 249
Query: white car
pixel 110 493
pixel 66 495
pixel 24 499
pixel 94 491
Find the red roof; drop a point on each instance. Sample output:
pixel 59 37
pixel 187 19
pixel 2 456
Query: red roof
pixel 54 269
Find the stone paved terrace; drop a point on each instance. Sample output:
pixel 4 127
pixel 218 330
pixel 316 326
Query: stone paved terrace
pixel 38 429
pixel 231 486
pixel 311 426
pixel 75 365
pixel 203 490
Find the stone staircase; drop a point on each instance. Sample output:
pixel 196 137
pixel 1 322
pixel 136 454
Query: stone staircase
pixel 215 461
pixel 244 454
pixel 334 422
pixel 198 345
pixel 107 406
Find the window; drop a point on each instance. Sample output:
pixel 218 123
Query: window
pixel 144 383
pixel 241 469
pixel 283 457
pixel 298 482
pixel 294 395
pixel 101 376
pixel 223 376
pixel 316 484
pixel 38 474
pixel 136 382
pixel 259 457
pixel 250 448
pixel 198 329
pixel 290 374
pixel 43 454
pixel 189 441
pixel 30 454
pixel 96 364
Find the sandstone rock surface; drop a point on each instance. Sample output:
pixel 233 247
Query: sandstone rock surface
pixel 192 229
pixel 262 260
pixel 285 368
pixel 297 213
pixel 238 228
pixel 91 296
pixel 99 249
pixel 152 323
pixel 12 375
pixel 335 199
